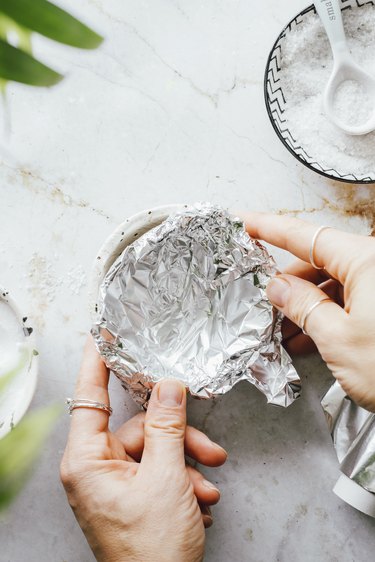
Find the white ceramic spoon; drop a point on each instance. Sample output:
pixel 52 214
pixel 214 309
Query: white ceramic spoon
pixel 344 69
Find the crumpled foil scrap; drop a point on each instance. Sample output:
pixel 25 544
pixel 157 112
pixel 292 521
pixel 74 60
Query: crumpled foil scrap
pixel 187 300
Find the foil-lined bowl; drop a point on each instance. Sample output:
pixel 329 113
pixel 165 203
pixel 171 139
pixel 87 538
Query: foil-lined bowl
pixel 187 300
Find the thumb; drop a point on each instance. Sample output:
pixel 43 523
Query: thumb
pixel 165 425
pixel 295 297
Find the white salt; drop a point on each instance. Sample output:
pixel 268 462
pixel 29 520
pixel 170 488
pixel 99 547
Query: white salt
pixel 352 103
pixel 306 66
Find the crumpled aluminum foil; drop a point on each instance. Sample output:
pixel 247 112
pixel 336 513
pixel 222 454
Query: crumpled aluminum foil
pixel 187 300
pixel 353 432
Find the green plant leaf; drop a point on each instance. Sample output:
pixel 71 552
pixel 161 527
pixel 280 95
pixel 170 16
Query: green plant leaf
pixel 24 39
pixel 5 25
pixel 53 22
pixel 19 66
pixel 8 25
pixel 20 449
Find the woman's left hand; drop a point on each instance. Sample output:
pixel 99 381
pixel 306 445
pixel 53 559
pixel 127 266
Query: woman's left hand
pixel 132 492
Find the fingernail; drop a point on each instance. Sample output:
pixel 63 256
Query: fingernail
pixel 208 521
pixel 210 486
pixel 278 291
pixel 171 393
pixel 217 446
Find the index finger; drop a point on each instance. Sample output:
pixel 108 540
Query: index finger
pixel 334 250
pixel 92 384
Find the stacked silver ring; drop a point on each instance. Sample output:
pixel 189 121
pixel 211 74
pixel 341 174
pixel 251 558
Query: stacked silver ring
pixel 315 266
pixel 74 403
pixel 313 244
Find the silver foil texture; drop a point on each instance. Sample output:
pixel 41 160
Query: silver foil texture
pixel 187 300
pixel 353 432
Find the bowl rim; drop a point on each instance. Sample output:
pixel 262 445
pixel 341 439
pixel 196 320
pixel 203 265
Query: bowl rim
pixel 303 12
pixel 22 406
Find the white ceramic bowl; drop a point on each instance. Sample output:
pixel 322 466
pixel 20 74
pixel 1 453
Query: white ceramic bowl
pixel 18 394
pixel 276 103
pixel 128 231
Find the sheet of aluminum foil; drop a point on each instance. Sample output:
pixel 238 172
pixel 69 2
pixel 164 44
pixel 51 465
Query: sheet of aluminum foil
pixel 353 432
pixel 187 300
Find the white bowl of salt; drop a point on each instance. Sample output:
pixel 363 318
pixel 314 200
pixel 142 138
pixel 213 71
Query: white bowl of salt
pixel 297 71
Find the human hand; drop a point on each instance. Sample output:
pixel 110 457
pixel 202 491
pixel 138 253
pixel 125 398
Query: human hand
pixel 131 491
pixel 343 329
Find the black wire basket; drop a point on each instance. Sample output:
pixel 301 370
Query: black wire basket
pixel 276 103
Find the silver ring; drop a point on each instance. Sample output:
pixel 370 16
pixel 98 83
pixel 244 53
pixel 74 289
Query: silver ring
pixel 313 244
pixel 309 311
pixel 84 403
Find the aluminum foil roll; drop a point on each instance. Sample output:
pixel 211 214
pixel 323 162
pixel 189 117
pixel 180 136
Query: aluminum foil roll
pixel 353 432
pixel 187 300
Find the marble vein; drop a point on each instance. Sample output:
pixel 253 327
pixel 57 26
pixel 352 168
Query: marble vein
pixel 258 146
pixel 34 182
pixel 127 86
pixel 212 97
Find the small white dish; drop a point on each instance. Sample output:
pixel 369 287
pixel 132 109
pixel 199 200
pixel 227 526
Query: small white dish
pixel 128 231
pixel 355 495
pixel 15 332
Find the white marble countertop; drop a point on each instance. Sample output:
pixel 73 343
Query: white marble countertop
pixel 170 109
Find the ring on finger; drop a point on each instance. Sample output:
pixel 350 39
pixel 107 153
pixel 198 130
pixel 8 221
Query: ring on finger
pixel 310 310
pixel 312 247
pixel 85 403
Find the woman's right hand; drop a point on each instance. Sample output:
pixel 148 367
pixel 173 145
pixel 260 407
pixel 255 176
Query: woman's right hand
pixel 343 329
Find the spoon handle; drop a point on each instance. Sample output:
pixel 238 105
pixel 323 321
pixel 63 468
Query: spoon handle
pixel 330 14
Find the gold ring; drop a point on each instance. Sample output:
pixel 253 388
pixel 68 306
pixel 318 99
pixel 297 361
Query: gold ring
pixel 309 311
pixel 84 403
pixel 313 244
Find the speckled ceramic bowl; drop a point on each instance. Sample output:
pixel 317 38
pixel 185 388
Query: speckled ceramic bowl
pixel 276 103
pixel 128 231
pixel 18 394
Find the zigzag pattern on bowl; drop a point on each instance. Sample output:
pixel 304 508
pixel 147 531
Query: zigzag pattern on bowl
pixel 276 103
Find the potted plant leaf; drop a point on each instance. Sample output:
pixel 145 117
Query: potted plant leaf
pixel 19 19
